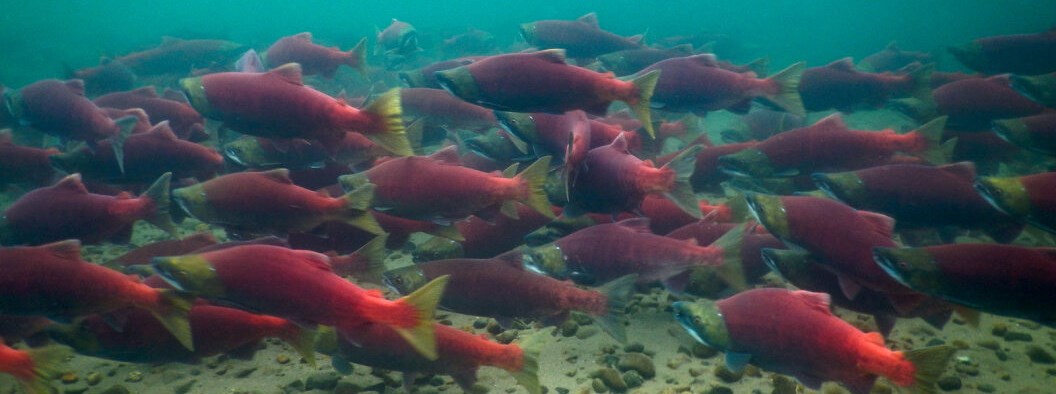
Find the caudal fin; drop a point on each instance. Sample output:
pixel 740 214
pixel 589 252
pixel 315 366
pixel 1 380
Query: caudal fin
pixel 681 192
pixel 618 294
pixel 930 146
pixel 373 253
pixel 388 130
pixel 302 340
pixel 420 335
pixel 534 178
pixel 731 270
pixel 920 81
pixel 643 89
pixel 528 375
pixel 929 363
pixel 45 362
pixel 357 209
pixel 357 57
pixel 787 95
pixel 159 194
pixel 171 311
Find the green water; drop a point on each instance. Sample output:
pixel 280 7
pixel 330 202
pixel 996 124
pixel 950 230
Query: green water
pixel 37 37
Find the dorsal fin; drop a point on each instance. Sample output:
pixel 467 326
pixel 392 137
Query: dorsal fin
pixel 882 224
pixel 175 95
pixel 551 55
pixel 620 144
pixel 163 131
pixel 72 183
pixel 281 175
pixel 306 36
pixel 512 259
pixel 1001 79
pixel 590 19
pixel 290 72
pixel 146 91
pixel 639 225
pixel 705 59
pixel 637 38
pixel 684 48
pixel 75 85
pixel 819 301
pixel 315 259
pixel 169 40
pixel 964 170
pixel 69 249
pixel 845 64
pixel 447 155
pixel 892 46
pixel 834 121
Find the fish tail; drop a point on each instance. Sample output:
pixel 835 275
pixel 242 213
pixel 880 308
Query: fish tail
pixel 416 133
pixel 389 132
pixel 928 364
pixel 301 339
pixel 357 56
pixel 419 332
pixel 374 253
pixel 643 90
pixel 681 192
pixel 117 142
pixel 618 294
pixel 787 95
pixel 45 363
pixel 159 194
pixel 928 142
pixel 731 270
pixel 528 374
pixel 920 81
pixel 172 311
pixel 534 178
pixel 357 209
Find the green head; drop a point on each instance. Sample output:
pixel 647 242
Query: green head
pixel 769 211
pixel 195 91
pixel 912 267
pixel 246 152
pixel 74 161
pixel 459 81
pixel 193 201
pixel 748 162
pixel 970 55
pixel 405 280
pixel 703 320
pixel 528 32
pixel 1040 88
pixel 190 273
pixel 413 78
pixel 519 124
pixel 1006 194
pixel 495 145
pixel 352 182
pixel 790 264
pixel 438 248
pixel 546 259
pixel 915 108
pixel 843 186
pixel 1014 131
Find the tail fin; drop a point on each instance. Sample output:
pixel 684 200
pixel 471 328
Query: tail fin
pixel 45 363
pixel 159 193
pixel 787 97
pixel 117 142
pixel 357 57
pixel 618 294
pixel 929 362
pixel 415 134
pixel 528 375
pixel 357 209
pixel 760 66
pixel 171 311
pixel 930 141
pixel 644 87
pixel 534 178
pixel 302 340
pixel 681 192
pixel 731 271
pixel 374 254
pixel 389 132
pixel 920 81
pixel 421 335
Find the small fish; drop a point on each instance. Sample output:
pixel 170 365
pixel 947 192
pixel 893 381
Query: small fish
pixel 24 164
pixel 795 333
pixel 314 58
pixel 1027 54
pixel 1036 133
pixel 173 106
pixel 892 58
pixel 581 38
pixel 841 86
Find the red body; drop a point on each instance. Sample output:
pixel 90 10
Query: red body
pixel 17 363
pixel 185 121
pixel 1026 54
pixel 751 261
pixel 441 108
pixel 146 157
pixel 793 332
pixel 173 247
pixel 313 58
pixel 973 103
pixel 60 108
pixel 23 164
pixel 582 38
pixel 1041 189
pixel 840 86
pixel 68 211
pixel 486 240
pixel 611 179
pixel 697 84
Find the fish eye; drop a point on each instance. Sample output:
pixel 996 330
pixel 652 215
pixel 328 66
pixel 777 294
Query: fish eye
pixel 397 281
pixel 903 265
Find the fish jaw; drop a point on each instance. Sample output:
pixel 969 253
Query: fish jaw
pixel 190 273
pixel 547 260
pixel 748 162
pixel 1006 194
pixel 843 186
pixel 912 267
pixel 704 322
pixel 770 211
pixel 404 280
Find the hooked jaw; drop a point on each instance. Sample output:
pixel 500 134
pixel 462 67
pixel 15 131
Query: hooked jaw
pixel 547 260
pixel 748 162
pixel 404 280
pixel 459 82
pixel 770 212
pixel 190 273
pixel 704 322
pixel 1006 194
pixel 843 186
pixel 912 267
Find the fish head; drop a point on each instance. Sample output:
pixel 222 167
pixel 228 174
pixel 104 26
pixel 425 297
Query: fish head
pixel 748 162
pixel 194 89
pixel 405 280
pixel 913 267
pixel 459 81
pixel 413 79
pixel 769 210
pixel 12 108
pixel 1013 130
pixel 528 32
pixel 1006 194
pixel 519 124
pixel 78 336
pixel 438 248
pixel 190 273
pixel 971 55
pixel 73 161
pixel 193 201
pixel 1040 88
pixel 704 322
pixel 245 152
pixel 547 260
pixel 352 182
pixel 915 108
pixel 844 186
pixel 788 263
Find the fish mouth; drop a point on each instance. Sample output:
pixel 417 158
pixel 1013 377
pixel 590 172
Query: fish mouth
pixel 234 155
pixel 894 266
pixel 770 259
pixel 826 185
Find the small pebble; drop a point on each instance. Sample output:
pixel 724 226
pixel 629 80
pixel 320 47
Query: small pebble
pixel 999 330
pixel 282 359
pixel 599 386
pixel 611 378
pixel 950 383
pixel 506 337
pixel 586 332
pixel 134 376
pixel 720 390
pixel 726 375
pixel 986 387
pixel 783 385
pixel 637 362
pixel 93 378
pixel 635 347
pixel 1039 356
pixel 69 378
pixel 1013 336
pixel 633 379
pixel 569 328
pixel 116 389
